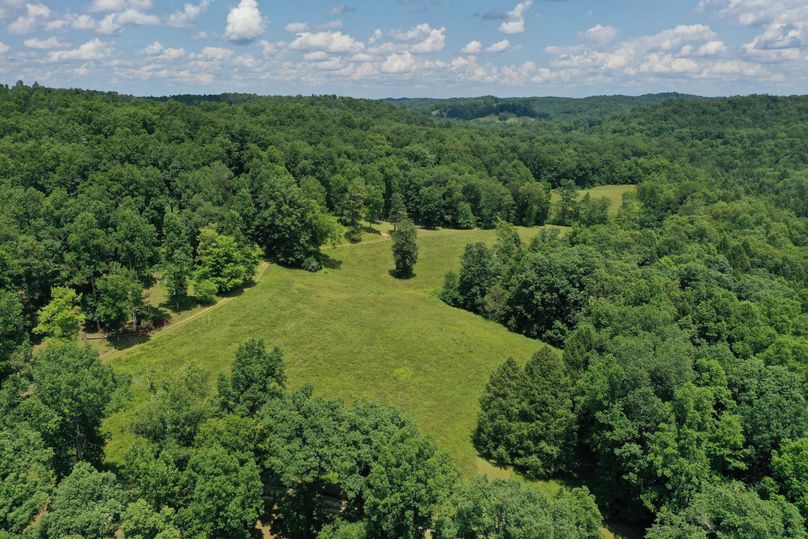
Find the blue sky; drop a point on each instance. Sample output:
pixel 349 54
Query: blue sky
pixel 394 48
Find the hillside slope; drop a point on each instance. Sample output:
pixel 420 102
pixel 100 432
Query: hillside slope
pixel 352 331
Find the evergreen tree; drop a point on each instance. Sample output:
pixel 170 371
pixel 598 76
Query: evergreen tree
pixel 526 416
pixel 465 216
pixel 568 206
pixel 500 406
pixel 355 209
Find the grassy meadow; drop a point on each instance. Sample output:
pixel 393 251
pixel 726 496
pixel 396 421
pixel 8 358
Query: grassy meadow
pixel 612 193
pixel 353 331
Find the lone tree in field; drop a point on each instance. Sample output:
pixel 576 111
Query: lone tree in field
pixel 405 251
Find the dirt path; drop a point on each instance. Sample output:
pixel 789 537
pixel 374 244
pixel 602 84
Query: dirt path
pixel 262 268
pixel 384 237
pixel 261 271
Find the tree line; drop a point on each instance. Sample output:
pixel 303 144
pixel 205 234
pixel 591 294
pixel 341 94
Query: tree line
pixel 680 388
pixel 255 453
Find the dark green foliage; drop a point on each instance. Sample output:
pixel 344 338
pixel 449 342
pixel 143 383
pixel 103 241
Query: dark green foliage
pixel 224 494
pixel 526 417
pixel 153 475
pixel 76 387
pixel 507 510
pixel 343 530
pixel 430 206
pixel 26 479
pixel 134 239
pixel 12 322
pixel 772 403
pixel 449 293
pixel 177 257
pixel 790 467
pixel 176 409
pixel 120 299
pixel 532 200
pixel 257 376
pixel 140 521
pixel 405 248
pixel 593 211
pixel 683 320
pixel 479 272
pixel 548 291
pixel 465 216
pixel 355 209
pixel 86 503
pixel 398 211
pixel 568 208
pixel 407 484
pixel 727 511
pixel 290 227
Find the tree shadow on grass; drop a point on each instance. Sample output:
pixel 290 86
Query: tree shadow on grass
pixel 185 304
pixel 393 273
pixel 330 263
pixel 122 341
pixel 236 291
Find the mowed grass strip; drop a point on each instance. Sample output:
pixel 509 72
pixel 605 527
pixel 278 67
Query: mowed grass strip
pixel 353 331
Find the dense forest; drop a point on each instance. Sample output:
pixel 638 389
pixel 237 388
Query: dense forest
pixel 676 390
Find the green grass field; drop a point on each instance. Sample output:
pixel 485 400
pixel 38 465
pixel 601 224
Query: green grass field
pixel 353 331
pixel 612 193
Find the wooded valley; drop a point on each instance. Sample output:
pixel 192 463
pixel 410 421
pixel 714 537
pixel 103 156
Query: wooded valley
pixel 234 315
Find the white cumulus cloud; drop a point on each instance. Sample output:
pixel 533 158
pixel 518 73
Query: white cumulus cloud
pixel 27 22
pixel 92 50
pixel 600 34
pixel 114 22
pixel 245 23
pixel 216 53
pixel 515 23
pixel 325 41
pixel 120 5
pixel 472 47
pixel 398 63
pixel 49 43
pixel 188 15
pixel 499 46
pixel 296 27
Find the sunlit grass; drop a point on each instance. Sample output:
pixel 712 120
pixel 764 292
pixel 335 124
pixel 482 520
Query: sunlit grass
pixel 353 331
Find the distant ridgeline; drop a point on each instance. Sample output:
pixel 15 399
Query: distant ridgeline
pixel 591 109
